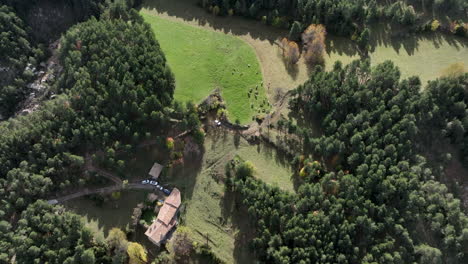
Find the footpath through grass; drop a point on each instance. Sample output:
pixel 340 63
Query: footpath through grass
pixel 203 60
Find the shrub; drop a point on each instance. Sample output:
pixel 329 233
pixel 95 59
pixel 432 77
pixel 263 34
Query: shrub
pixel 435 25
pixel 215 10
pixel 199 136
pixel 245 170
pixel 170 143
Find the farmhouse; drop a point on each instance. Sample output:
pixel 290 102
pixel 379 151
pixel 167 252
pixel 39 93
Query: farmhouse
pixel 166 220
pixel 155 170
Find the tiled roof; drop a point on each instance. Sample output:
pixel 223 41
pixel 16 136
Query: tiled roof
pixel 174 198
pixel 166 218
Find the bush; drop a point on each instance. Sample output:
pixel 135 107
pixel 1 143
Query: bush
pixel 245 169
pixel 435 24
pixel 170 143
pixel 199 136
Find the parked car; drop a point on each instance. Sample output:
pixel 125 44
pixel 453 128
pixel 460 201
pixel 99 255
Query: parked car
pixel 153 183
pixel 160 188
pixel 217 122
pixel 166 191
pixel 144 181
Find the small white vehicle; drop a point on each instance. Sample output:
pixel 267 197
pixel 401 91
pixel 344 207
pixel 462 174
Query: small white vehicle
pixel 217 122
pixel 144 182
pixel 161 188
pixel 153 183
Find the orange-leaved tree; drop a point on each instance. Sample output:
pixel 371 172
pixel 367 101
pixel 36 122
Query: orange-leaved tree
pixel 313 39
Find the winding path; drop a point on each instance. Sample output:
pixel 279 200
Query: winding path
pixel 119 184
pixel 108 189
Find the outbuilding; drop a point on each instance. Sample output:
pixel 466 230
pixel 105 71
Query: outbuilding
pixel 156 170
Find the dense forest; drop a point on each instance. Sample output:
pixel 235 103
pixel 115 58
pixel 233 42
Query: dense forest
pixel 375 201
pixel 27 28
pixel 339 16
pixel 115 89
pixel 446 104
pixel 365 192
pixel 49 18
pixel 17 51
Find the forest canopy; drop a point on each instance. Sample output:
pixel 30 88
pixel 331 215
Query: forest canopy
pixel 17 52
pixel 341 17
pixel 379 202
pixel 115 87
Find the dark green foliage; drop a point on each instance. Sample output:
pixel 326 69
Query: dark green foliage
pixel 49 18
pixel 114 96
pixel 24 24
pixel 14 44
pixel 50 235
pixel 131 72
pixel 295 32
pixel 446 109
pixel 21 187
pixel 363 40
pixel 16 51
pixel 342 17
pixel 383 207
pixel 339 16
pixel 115 87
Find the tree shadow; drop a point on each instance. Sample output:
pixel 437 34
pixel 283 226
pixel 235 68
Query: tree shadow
pixel 272 153
pixel 188 10
pixel 234 213
pixel 184 176
pixel 237 137
pixel 340 45
pixel 292 69
pixel 400 40
pixel 404 40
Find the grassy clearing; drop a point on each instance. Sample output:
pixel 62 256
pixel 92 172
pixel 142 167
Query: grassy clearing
pixel 270 166
pixel 113 213
pixel 206 213
pixel 425 55
pixel 208 210
pixel 204 60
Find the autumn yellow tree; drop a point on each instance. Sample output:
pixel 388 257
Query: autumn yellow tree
pixel 313 39
pixel 136 253
pixel 291 51
pixel 117 239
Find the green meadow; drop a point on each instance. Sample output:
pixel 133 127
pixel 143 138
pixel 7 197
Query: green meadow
pixel 204 60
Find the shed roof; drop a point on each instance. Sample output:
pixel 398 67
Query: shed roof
pixel 156 170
